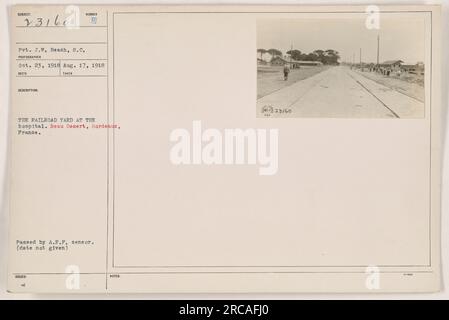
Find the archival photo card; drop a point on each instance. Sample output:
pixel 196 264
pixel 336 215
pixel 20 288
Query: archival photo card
pixel 225 149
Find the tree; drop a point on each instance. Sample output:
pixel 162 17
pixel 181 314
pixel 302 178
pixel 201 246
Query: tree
pixel 295 54
pixel 262 52
pixel 311 57
pixel 275 52
pixel 331 57
pixel 321 56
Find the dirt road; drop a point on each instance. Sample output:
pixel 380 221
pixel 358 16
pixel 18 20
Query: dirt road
pixel 339 93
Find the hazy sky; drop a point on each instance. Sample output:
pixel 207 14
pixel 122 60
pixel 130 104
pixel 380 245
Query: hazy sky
pixel 400 38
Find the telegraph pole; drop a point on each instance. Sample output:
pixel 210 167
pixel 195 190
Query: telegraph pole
pixel 291 53
pixel 378 41
pixel 360 57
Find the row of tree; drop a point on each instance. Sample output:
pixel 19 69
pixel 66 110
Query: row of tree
pixel 329 56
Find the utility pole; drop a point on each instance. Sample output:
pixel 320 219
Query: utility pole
pixel 291 53
pixel 360 57
pixel 378 42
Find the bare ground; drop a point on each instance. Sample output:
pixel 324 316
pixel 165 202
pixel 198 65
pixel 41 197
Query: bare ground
pixel 414 89
pixel 271 79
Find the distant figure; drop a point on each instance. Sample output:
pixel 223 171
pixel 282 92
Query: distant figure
pixel 286 72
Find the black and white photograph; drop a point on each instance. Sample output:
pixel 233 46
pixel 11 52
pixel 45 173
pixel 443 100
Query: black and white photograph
pixel 341 67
